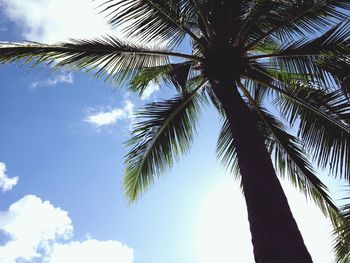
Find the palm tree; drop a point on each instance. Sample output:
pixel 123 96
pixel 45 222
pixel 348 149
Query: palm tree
pixel 342 244
pixel 245 54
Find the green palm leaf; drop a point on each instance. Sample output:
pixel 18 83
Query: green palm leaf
pixel 166 131
pixel 175 74
pixel 342 236
pixel 296 52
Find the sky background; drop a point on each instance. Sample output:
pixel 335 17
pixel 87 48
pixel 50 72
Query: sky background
pixel 61 166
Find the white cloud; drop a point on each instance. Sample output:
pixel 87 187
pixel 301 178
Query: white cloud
pixel 38 231
pixel 53 21
pixel 56 20
pixel 129 109
pixel 111 115
pixel 91 251
pixel 31 225
pixel 6 183
pixel 151 88
pixel 62 78
pixel 105 118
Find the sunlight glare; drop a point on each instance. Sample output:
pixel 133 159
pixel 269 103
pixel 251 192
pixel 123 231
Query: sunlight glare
pixel 223 231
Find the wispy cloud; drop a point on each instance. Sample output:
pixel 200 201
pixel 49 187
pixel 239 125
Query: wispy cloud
pixel 38 231
pixel 62 78
pixel 6 183
pixel 56 20
pixel 106 117
pixel 109 116
pixel 151 89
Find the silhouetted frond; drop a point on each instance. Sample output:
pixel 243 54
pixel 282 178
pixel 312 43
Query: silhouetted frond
pixel 175 74
pixel 158 21
pixel 329 144
pixel 110 57
pixel 342 236
pixel 304 55
pixel 337 63
pixel 226 151
pixel 286 20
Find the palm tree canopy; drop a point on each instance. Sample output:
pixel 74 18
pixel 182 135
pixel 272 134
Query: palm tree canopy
pixel 293 54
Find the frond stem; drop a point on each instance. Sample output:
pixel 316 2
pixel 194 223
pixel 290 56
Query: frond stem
pixel 281 56
pixel 301 102
pixel 63 49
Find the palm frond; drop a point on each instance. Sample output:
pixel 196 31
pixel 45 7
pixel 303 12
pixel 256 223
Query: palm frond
pixel 336 36
pixel 226 151
pixel 255 10
pixel 175 74
pixel 284 89
pixel 304 56
pixel 203 22
pixel 259 92
pixel 329 144
pixel 264 47
pixel 109 56
pixel 342 237
pixel 165 132
pixel 286 19
pixel 322 119
pixel 290 159
pixel 337 63
pixel 161 21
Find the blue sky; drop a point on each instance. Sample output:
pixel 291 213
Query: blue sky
pixel 61 167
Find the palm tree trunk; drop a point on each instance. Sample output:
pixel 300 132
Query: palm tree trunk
pixel 275 234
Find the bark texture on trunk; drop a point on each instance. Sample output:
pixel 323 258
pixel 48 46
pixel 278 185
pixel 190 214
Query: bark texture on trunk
pixel 275 234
